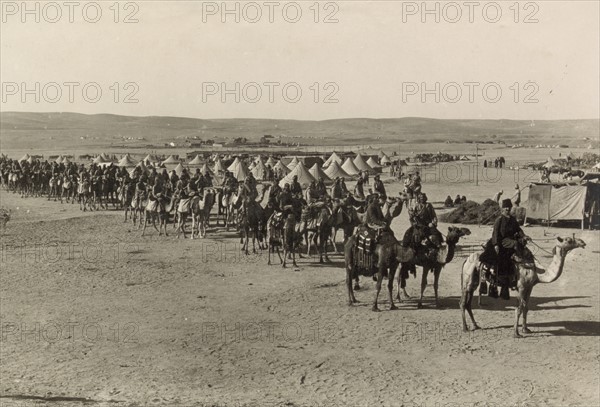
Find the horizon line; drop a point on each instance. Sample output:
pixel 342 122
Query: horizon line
pixel 298 120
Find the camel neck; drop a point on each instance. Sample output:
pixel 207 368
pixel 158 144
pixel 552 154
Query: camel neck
pixel 554 269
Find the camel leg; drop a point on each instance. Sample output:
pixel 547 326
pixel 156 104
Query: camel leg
pixel 391 287
pixel 164 220
pixel 378 286
pixel 423 286
pixel 351 299
pixel 402 283
pixel 520 306
pixel 527 294
pixel 436 279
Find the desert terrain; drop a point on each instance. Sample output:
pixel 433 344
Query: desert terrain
pixel 94 314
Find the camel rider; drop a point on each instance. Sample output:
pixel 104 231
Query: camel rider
pixel 374 217
pixel 336 190
pixel 359 191
pixel 423 225
pixel 208 179
pixel 185 175
pixel 285 197
pixel 378 187
pixel 416 183
pixel 321 188
pixel 174 178
pixel 295 187
pixel 274 194
pixel 345 191
pixel 229 184
pixel 507 239
pixel 201 183
pixel 312 195
pixel 250 186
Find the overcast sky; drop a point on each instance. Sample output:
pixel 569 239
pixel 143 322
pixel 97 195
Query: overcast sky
pixel 372 62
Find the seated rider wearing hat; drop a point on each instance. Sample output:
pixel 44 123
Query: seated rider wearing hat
pixel 423 222
pixel 507 239
pixel 378 187
pixel 250 186
pixel 374 217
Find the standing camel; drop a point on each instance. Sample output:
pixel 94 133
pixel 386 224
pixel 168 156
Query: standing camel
pixel 527 278
pixel 389 253
pixel 201 208
pixel 433 260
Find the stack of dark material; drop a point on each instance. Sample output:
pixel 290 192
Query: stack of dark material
pixel 472 213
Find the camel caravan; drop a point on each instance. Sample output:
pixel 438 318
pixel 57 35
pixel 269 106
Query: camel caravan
pixel 285 208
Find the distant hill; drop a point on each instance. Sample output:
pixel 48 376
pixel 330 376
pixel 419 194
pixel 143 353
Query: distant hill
pixel 21 130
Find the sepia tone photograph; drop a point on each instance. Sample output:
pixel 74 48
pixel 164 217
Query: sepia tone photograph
pixel 304 203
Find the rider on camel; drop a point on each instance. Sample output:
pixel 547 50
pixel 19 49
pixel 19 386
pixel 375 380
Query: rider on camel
pixel 359 191
pixel 337 191
pixel 321 188
pixel 423 225
pixel 250 186
pixel 374 217
pixel 378 187
pixel 508 239
pixel 295 187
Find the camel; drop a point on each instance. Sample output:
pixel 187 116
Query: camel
pixel 389 254
pixel 250 215
pixel 527 278
pixel 201 212
pixel 430 261
pixel 158 209
pixel 282 232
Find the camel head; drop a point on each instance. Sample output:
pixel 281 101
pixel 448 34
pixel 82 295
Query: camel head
pixel 395 207
pixel 454 234
pixel 566 244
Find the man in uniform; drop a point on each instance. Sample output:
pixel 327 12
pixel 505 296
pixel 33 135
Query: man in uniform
pixel 507 239
pixel 296 188
pixel 374 217
pixel 423 225
pixel 378 187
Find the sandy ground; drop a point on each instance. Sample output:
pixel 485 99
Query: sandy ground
pixel 92 313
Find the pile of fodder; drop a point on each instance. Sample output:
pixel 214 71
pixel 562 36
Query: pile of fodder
pixel 472 213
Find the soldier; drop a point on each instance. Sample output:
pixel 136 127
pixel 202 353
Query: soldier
pixel 374 216
pixel 508 239
pixel 378 187
pixel 423 225
pixel 295 187
pixel 359 190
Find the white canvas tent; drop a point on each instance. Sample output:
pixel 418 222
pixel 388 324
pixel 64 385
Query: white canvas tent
pixel 293 163
pixel 334 171
pixel 171 160
pixel 238 169
pixel 126 161
pixel 218 166
pixel 362 165
pixel 281 167
pixel 317 172
pixel 349 167
pixel 196 161
pixel 333 157
pixel 304 176
pixel 372 163
pixel 259 170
